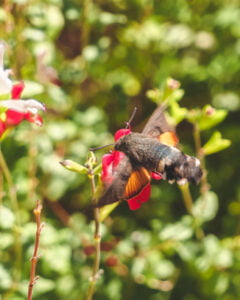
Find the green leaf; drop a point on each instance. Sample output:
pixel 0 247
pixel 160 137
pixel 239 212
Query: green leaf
pixel 5 279
pixel 51 259
pixel 222 283
pixel 31 89
pixel 5 96
pixel 42 286
pixel 206 118
pixel 216 144
pixel 179 231
pixel 7 218
pixel 6 240
pixel 177 112
pixel 106 210
pixel 211 117
pixel 206 207
pixel 97 170
pixel 2 112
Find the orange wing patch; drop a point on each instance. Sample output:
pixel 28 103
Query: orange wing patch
pixel 137 181
pixel 168 138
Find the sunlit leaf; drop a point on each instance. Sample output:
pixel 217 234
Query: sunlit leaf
pixel 206 206
pixel 177 112
pixel 7 218
pixel 5 278
pixel 216 144
pixel 107 209
pixel 178 231
pixel 209 120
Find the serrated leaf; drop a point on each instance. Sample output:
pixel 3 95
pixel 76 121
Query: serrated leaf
pixel 216 144
pixel 206 207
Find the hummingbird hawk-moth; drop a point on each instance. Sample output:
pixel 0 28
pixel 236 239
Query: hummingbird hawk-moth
pixel 153 150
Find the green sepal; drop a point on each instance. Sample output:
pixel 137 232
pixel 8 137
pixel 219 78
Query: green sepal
pixel 73 166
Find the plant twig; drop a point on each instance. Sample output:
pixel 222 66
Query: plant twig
pixel 35 257
pixel 97 238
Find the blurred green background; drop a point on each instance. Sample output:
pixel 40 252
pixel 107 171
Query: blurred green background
pixel 91 63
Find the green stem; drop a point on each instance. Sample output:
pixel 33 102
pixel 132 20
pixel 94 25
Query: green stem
pixel 84 24
pixel 15 207
pixel 200 155
pixel 204 184
pixel 187 197
pixel 97 239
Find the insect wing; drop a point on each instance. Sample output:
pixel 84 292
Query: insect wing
pixel 138 180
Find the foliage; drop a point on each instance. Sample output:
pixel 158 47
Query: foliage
pixel 91 63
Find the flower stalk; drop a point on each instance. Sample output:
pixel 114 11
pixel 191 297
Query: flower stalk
pixel 14 203
pixel 33 278
pixel 96 272
pixel 200 154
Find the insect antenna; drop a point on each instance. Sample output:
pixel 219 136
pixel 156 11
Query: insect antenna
pixel 101 147
pixel 128 124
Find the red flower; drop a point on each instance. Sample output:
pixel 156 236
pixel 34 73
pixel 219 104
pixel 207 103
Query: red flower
pixel 13 117
pixel 110 162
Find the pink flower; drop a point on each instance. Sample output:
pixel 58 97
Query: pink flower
pixel 19 110
pixel 110 162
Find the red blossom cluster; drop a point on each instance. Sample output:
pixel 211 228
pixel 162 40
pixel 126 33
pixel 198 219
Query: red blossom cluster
pixel 11 118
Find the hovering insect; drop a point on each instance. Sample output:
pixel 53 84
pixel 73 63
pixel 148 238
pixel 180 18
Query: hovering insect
pixel 152 151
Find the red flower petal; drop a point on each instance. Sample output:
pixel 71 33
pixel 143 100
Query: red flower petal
pixel 156 176
pixel 17 90
pixel 2 127
pixel 145 194
pixel 36 119
pixel 121 132
pixel 118 156
pixel 135 202
pixel 107 168
pixel 13 117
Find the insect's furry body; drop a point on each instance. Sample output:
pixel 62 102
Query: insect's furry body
pixel 157 157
